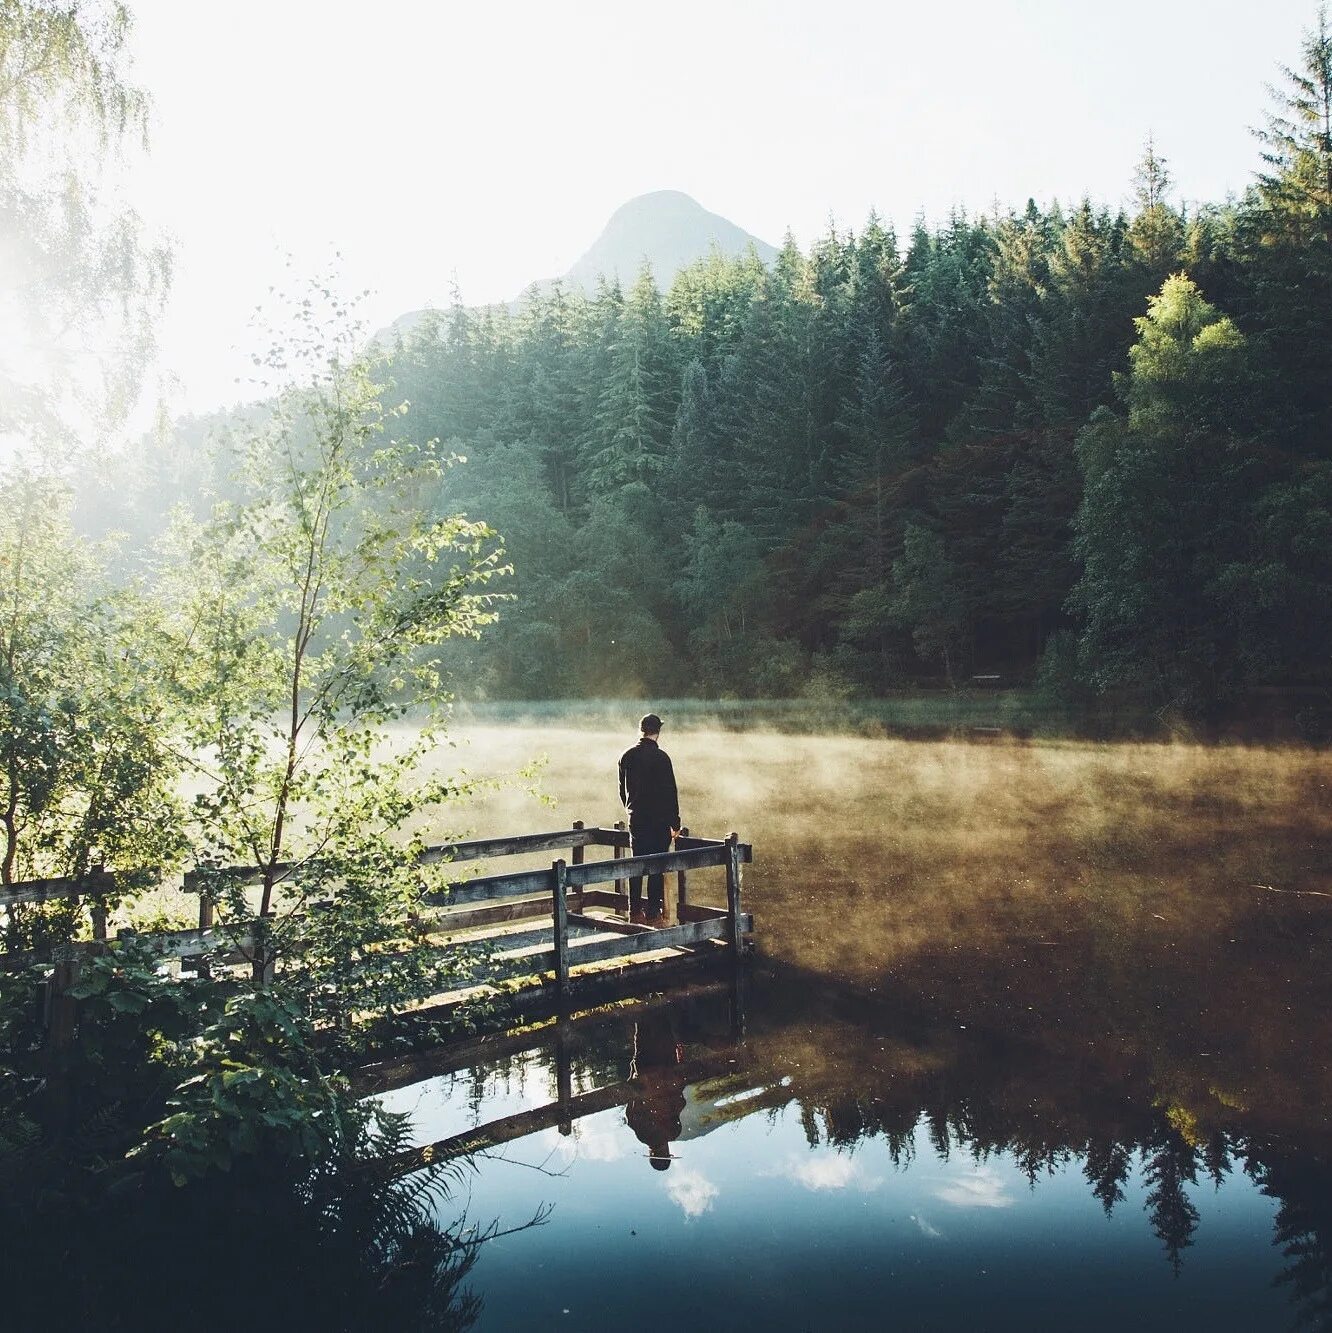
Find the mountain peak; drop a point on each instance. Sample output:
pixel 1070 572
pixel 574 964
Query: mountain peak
pixel 667 229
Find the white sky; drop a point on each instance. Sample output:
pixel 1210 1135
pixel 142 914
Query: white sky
pixel 494 139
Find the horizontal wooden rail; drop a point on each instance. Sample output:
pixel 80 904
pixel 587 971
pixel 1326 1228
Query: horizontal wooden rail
pixel 529 883
pixel 559 893
pixel 516 884
pixel 187 943
pixel 632 867
pixel 98 883
pixel 504 966
pixel 92 885
pixel 523 844
pixel 478 849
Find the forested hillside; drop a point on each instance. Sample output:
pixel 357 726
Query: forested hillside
pixel 1076 443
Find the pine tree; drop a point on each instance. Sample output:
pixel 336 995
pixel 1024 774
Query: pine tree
pixel 635 402
pixel 1157 230
pixel 1288 234
pixel 1297 143
pixel 1168 489
pixel 876 431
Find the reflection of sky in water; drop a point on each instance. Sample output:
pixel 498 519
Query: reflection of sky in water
pixel 750 1227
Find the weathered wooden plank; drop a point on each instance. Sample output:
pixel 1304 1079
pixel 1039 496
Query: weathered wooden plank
pixel 613 927
pixel 517 884
pixel 560 918
pixel 62 1009
pixel 682 843
pixel 184 943
pixel 506 964
pixel 606 898
pixel 598 872
pixel 507 945
pixel 685 843
pixel 243 875
pixel 465 918
pixel 578 857
pixel 95 884
pixel 733 887
pixel 621 884
pixel 667 937
pixel 694 912
pixel 521 844
pixel 473 850
pixel 610 837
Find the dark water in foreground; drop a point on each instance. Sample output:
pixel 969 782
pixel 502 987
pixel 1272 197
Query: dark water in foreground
pixel 795 1155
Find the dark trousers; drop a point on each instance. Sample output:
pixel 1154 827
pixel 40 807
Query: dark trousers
pixel 647 840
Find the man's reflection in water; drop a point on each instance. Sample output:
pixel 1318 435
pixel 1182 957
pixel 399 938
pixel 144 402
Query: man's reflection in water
pixel 654 1114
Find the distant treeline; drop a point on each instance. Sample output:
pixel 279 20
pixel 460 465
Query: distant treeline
pixel 1083 446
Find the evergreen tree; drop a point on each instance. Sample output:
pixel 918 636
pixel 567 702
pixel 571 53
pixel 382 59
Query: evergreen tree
pixel 1167 493
pixel 1157 230
pixel 1288 226
pixel 635 403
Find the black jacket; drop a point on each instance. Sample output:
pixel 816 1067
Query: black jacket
pixel 647 786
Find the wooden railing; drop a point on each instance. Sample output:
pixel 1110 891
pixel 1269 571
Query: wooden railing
pixel 562 892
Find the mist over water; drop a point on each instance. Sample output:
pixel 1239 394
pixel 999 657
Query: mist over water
pixel 1044 1023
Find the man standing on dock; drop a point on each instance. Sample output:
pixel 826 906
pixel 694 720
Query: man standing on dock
pixel 648 793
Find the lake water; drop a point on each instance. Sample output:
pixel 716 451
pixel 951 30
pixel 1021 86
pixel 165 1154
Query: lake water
pixel 1037 1037
pixel 757 1169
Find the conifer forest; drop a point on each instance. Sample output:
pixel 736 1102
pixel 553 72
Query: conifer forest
pixel 1077 444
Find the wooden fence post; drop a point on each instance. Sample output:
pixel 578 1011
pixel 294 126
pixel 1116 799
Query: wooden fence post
pixel 621 886
pixel 733 886
pixel 560 915
pixel 578 853
pixel 193 881
pixel 62 1013
pixel 681 886
pixel 97 907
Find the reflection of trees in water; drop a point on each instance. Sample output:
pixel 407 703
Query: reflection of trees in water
pixel 1302 1230
pixel 850 1079
pixel 1171 1163
pixel 1106 1168
pixel 1134 1108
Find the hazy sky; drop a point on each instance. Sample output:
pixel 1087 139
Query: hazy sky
pixel 492 140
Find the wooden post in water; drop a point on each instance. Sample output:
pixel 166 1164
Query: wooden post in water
pixel 733 886
pixel 578 852
pixel 621 886
pixel 563 1074
pixel 560 916
pixel 739 981
pixel 681 887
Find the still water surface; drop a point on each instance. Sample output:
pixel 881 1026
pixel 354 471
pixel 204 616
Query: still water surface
pixel 735 1187
pixel 1038 1037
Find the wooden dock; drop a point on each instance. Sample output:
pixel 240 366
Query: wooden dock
pixel 544 928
